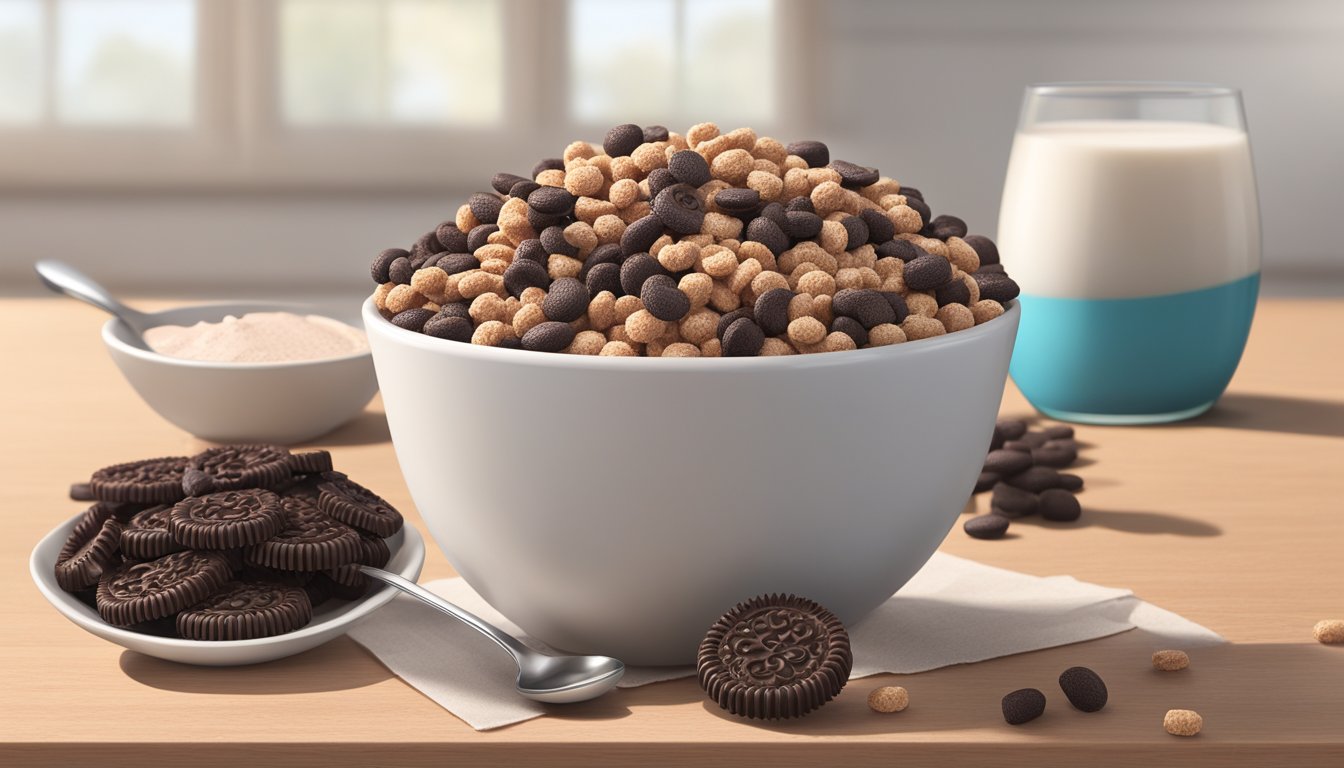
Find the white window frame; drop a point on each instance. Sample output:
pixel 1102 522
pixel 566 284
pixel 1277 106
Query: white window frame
pixel 238 140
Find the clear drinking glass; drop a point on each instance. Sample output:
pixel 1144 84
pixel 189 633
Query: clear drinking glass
pixel 1130 220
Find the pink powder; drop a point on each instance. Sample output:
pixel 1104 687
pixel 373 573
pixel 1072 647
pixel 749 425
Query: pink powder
pixel 259 337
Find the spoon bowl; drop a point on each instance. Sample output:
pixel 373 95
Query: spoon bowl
pixel 566 679
pixel 541 676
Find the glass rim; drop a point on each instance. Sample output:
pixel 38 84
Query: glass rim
pixel 1131 89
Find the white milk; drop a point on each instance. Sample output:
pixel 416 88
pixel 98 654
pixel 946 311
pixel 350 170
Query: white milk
pixel 1125 208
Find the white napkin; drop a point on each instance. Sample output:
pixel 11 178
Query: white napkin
pixel 953 611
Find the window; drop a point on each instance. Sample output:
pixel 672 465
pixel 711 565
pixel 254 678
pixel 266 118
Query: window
pixel 403 62
pixel 366 93
pixel 643 61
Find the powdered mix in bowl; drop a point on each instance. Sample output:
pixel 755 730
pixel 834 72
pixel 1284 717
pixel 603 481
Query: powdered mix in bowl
pixel 259 337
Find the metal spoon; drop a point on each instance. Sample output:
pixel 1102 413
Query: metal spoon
pixel 552 679
pixel 63 278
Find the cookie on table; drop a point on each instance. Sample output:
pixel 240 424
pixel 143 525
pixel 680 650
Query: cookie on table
pixel 234 467
pixel 227 519
pixel 134 594
pixel 774 656
pixel 91 550
pixel 309 541
pixel 149 481
pixel 243 611
pixel 357 506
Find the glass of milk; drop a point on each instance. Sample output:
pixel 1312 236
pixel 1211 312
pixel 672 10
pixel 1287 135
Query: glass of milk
pixel 1130 220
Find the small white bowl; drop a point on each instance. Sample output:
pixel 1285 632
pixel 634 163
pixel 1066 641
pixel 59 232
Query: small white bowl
pixel 330 620
pixel 282 403
pixel 620 505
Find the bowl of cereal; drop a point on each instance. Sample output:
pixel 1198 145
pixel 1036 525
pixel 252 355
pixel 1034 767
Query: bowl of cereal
pixel 610 502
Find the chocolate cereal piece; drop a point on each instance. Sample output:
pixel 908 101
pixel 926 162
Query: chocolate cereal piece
pixel 357 506
pixel 689 167
pixel 774 657
pixel 226 520
pixel 986 526
pixel 984 248
pixel 1010 501
pixel 622 140
pixel 310 541
pixel 197 483
pixel 679 208
pixel 1023 706
pixel 149 481
pixel 1060 506
pixel 772 311
pixel 566 301
pixel 1007 462
pixel 143 592
pixel 743 338
pixel 927 272
pixel 1035 479
pixel 245 612
pixel 852 175
pixel 81 492
pixel 310 462
pixel 1084 688
pixel 243 466
pixel 986 481
pixel 146 536
pixel 664 300
pixel 549 336
pixel 89 551
pixel 814 153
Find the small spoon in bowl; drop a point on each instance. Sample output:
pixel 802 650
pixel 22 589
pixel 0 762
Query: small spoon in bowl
pixel 542 677
pixel 63 278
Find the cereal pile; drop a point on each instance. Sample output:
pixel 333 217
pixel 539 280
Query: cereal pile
pixel 234 543
pixel 708 244
pixel 1021 474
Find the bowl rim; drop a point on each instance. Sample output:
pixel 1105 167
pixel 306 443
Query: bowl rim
pixel 114 326
pixel 376 324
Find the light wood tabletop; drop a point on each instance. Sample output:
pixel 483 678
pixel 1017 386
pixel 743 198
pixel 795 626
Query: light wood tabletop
pixel 1234 520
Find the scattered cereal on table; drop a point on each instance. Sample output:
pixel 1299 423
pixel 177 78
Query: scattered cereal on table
pixel 1170 661
pixel 1182 722
pixel 888 698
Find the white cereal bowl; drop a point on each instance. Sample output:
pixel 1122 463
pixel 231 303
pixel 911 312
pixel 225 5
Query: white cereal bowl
pixel 620 505
pixel 282 403
pixel 330 620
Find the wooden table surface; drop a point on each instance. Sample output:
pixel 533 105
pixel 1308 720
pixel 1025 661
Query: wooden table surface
pixel 1233 520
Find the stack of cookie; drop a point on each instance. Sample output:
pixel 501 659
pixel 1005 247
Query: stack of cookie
pixel 234 543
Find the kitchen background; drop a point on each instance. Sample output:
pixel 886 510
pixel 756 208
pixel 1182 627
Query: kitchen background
pixel 259 146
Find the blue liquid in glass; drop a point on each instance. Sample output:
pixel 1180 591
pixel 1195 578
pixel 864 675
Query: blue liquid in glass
pixel 1128 361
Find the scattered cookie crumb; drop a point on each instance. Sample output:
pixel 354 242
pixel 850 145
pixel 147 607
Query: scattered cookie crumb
pixel 1182 722
pixel 1330 632
pixel 889 698
pixel 1170 661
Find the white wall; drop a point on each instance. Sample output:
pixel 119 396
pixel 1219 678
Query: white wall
pixel 928 92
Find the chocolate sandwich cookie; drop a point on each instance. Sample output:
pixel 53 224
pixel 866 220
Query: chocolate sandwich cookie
pixel 227 520
pixel 146 536
pixel 346 582
pixel 373 550
pixel 90 551
pixel 260 574
pixel 243 466
pixel 310 462
pixel 246 611
pixel 143 592
pixel 318 589
pixel 150 481
pixel 774 656
pixel 355 505
pixel 310 540
pixel 81 492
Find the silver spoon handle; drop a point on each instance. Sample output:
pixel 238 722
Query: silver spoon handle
pixel 63 278
pixel 505 641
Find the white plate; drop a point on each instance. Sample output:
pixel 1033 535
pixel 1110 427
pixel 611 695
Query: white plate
pixel 330 620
